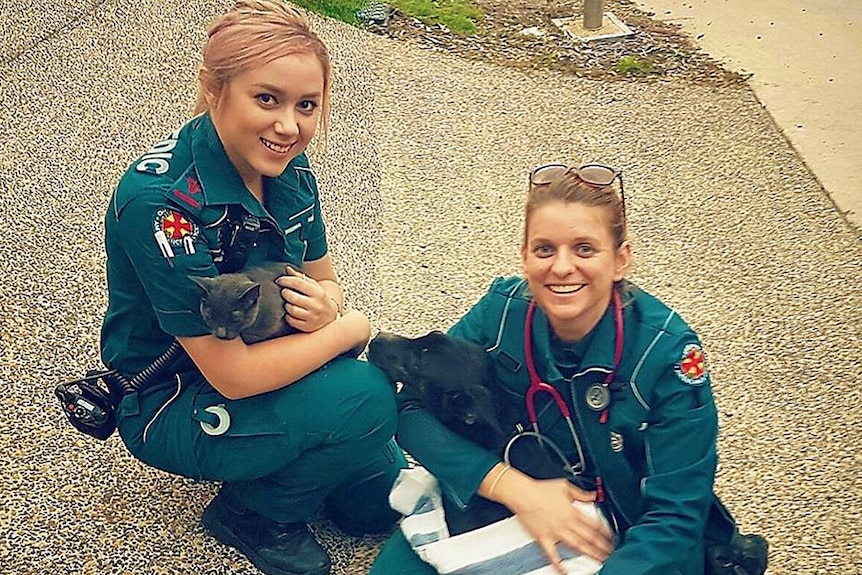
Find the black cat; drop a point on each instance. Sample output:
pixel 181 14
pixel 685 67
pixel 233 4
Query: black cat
pixel 454 380
pixel 451 378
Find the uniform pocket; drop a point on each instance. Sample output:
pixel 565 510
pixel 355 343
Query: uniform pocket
pixel 154 425
pixel 511 376
pixel 249 417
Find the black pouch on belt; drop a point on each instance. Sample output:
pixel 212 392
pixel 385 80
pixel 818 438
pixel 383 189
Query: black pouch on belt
pixel 90 403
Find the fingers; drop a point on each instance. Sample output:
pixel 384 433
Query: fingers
pixel 297 281
pixel 592 545
pixel 590 542
pixel 584 531
pixel 298 307
pixel 563 516
pixel 579 494
pixel 549 548
pixel 588 535
pixel 294 300
pixel 306 304
pixel 294 311
pixel 295 273
pixel 298 290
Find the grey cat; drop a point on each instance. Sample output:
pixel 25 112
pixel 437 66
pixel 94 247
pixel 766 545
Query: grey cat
pixel 246 304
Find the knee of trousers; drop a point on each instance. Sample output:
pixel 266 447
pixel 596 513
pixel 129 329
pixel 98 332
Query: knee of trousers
pixel 398 558
pixel 368 406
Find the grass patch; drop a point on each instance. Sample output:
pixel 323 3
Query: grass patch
pixel 344 10
pixel 459 16
pixel 633 65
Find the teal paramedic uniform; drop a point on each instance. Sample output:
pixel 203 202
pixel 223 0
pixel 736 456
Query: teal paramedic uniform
pixel 324 440
pixel 657 449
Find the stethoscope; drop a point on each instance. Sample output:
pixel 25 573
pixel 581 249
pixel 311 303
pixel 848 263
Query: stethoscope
pixel 598 394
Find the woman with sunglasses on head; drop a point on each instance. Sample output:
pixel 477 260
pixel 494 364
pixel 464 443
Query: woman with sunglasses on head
pixel 640 439
pixel 288 426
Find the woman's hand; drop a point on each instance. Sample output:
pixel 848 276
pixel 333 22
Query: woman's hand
pixel 547 513
pixel 354 330
pixel 544 508
pixel 306 303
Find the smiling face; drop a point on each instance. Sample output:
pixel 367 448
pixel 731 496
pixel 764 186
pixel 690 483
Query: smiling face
pixel 571 262
pixel 267 115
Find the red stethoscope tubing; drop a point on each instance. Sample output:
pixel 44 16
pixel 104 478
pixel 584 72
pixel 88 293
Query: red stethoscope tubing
pixel 537 385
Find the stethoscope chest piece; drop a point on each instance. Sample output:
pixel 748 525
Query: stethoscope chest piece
pixel 598 397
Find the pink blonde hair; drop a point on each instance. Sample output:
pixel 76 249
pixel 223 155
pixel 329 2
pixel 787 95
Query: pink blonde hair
pixel 253 33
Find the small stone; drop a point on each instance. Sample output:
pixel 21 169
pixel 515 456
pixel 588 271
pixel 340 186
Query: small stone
pixel 533 31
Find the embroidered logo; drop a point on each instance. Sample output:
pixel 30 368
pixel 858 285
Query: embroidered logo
pixel 691 368
pixel 172 229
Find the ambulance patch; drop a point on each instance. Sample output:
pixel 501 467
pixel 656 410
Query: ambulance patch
pixel 172 229
pixel 691 368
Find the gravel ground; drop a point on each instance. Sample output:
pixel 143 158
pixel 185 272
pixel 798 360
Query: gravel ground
pixel 423 178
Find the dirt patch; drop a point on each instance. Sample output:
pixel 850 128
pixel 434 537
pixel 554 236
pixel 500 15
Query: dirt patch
pixel 520 33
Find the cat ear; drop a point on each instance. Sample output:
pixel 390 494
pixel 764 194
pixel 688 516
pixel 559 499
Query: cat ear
pixel 250 296
pixel 203 282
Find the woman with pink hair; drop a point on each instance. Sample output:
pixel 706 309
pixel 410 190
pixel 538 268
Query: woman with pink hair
pixel 290 425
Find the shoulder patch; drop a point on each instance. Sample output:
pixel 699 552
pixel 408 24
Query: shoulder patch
pixel 172 229
pixel 691 368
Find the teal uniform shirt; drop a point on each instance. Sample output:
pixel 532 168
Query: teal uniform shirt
pixel 163 225
pixel 655 454
pixel 323 440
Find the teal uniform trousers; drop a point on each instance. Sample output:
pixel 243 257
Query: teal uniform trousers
pixel 324 441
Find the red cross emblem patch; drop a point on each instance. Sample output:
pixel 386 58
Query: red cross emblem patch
pixel 174 225
pixel 172 229
pixel 691 368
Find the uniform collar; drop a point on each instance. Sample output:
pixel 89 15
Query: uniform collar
pixel 570 353
pixel 218 177
pixel 598 356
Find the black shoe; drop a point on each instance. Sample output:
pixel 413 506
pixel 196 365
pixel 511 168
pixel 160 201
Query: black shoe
pixel 274 548
pixel 753 551
pixel 744 555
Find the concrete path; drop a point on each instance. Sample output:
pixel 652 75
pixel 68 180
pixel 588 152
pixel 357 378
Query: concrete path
pixel 803 57
pixel 422 178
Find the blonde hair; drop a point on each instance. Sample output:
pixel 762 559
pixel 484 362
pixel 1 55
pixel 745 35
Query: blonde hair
pixel 253 33
pixel 570 188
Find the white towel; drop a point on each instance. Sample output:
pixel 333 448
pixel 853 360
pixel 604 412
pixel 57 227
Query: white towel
pixel 502 548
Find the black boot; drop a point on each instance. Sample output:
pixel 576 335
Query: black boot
pixel 274 548
pixel 753 552
pixel 744 555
